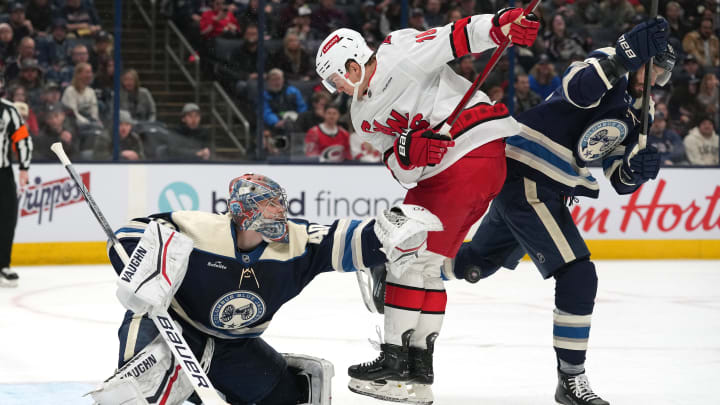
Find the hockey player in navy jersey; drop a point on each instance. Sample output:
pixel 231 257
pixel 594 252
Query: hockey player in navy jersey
pixel 594 115
pixel 230 274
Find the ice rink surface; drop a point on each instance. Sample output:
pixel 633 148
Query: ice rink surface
pixel 655 335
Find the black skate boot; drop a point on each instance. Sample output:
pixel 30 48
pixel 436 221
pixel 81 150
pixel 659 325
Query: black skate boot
pixel 421 362
pixel 8 277
pixel 575 390
pixel 392 364
pixel 387 377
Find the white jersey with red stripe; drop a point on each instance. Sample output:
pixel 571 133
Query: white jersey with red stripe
pixel 412 87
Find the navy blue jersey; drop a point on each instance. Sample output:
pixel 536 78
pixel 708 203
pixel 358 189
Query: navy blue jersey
pixel 230 294
pixel 585 119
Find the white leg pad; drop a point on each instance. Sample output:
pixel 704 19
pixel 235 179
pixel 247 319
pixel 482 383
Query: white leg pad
pixel 149 377
pixel 320 372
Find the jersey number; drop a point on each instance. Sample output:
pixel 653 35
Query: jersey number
pixel 425 36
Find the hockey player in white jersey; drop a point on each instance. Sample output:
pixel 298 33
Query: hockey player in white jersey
pixel 402 94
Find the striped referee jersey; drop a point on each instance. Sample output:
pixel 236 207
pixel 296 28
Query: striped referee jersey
pixel 13 136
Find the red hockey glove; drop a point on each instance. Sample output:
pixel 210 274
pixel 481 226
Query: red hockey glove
pixel 421 148
pixel 511 23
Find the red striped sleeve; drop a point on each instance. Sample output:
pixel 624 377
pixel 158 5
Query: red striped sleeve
pixel 459 41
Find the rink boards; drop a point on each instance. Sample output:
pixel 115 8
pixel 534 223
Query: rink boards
pixel 675 216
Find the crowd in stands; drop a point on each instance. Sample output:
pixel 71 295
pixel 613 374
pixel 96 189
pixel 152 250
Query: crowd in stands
pixel 57 60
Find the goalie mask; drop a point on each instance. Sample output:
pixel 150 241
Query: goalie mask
pixel 259 204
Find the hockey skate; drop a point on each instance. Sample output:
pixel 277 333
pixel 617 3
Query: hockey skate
pixel 389 376
pixel 575 390
pixel 8 277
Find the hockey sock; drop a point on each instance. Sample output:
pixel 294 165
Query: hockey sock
pixel 404 297
pixel 575 289
pixel 431 313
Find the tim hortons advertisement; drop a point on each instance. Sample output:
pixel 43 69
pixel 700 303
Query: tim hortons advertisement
pixel 679 204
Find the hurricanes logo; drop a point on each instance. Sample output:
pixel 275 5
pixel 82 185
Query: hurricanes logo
pixel 237 309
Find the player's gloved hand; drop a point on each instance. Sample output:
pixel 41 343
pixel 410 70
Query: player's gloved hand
pixel 421 148
pixel 511 23
pixel 639 166
pixel 646 40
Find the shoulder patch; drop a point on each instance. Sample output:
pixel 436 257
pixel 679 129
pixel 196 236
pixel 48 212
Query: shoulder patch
pixel 209 232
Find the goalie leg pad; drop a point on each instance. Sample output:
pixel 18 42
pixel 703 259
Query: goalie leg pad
pixel 319 372
pixel 394 391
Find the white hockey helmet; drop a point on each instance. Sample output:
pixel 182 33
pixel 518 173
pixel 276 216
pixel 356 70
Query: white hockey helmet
pixel 334 52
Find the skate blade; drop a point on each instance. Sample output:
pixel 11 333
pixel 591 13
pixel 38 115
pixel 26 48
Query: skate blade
pixel 393 391
pixel 4 283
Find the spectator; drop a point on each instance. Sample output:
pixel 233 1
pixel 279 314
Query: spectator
pixel 136 100
pixel 187 15
pixel 327 18
pixel 616 14
pixel 81 17
pixel 80 98
pixel 195 142
pixel 21 26
pixel 53 50
pixel 684 106
pixel 101 50
pixel 28 116
pixel 50 95
pixel 561 45
pixel 246 56
pixel 301 26
pixel 524 98
pixel 703 44
pixel 690 70
pixel 288 14
pixel 679 27
pixel 583 13
pixel 417 20
pixel 217 21
pixel 496 94
pixel 31 79
pixel 104 84
pixel 453 15
pixel 7 45
pixel 40 14
pixel 668 143
pixel 543 79
pixel 293 60
pixel 250 15
pixel 328 141
pixel 466 68
pixel 467 8
pixel 316 115
pixel 282 102
pixel 708 95
pixel 79 54
pixel 56 128
pixel 131 146
pixel 26 50
pixel 433 14
pixel 701 144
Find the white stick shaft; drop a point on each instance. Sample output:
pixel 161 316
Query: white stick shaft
pixel 164 323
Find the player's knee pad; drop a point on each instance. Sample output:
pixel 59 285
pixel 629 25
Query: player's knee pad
pixel 318 374
pixel 151 376
pixel 576 287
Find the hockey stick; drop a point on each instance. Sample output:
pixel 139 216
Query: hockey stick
pixel 445 129
pixel 163 322
pixel 642 138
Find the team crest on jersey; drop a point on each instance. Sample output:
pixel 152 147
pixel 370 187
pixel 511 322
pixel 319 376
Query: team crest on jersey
pixel 333 153
pixel 237 309
pixel 601 138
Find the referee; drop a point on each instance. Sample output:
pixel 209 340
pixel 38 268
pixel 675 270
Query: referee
pixel 14 137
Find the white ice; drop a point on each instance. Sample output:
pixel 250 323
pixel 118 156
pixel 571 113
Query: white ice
pixel 655 335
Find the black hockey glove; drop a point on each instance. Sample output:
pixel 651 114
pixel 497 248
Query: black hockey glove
pixel 646 40
pixel 641 166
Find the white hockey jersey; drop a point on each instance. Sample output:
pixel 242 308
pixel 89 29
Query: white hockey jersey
pixel 412 87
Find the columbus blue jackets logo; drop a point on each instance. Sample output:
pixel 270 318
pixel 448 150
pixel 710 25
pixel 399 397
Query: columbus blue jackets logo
pixel 237 309
pixel 601 138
